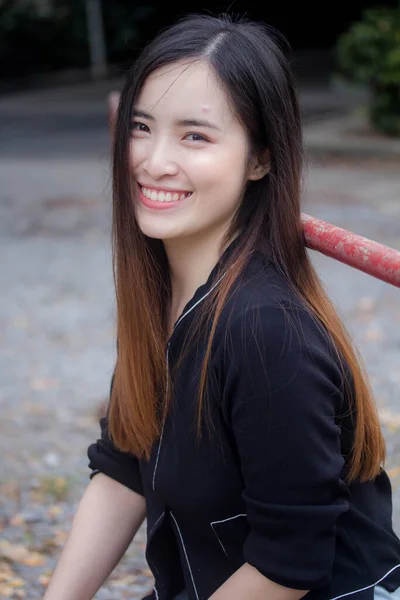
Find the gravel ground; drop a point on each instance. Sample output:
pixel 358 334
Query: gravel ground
pixel 57 346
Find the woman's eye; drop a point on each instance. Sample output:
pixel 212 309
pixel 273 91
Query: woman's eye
pixel 137 126
pixel 196 137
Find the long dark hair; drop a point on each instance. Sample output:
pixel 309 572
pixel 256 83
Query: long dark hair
pixel 249 61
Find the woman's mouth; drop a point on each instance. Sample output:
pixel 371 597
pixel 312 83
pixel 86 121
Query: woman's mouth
pixel 156 198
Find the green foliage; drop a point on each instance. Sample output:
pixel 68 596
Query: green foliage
pixel 384 111
pixel 369 53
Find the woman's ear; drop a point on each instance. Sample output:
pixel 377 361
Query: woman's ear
pixel 259 165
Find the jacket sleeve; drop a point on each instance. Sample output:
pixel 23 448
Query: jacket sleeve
pixel 104 457
pixel 283 390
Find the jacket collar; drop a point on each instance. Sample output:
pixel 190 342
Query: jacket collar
pixel 217 274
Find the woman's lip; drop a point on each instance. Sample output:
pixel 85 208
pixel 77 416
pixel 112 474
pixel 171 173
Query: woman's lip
pixel 159 189
pixel 155 204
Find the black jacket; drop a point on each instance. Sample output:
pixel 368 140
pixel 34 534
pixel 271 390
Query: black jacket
pixel 267 486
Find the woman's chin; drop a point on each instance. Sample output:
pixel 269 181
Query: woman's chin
pixel 159 233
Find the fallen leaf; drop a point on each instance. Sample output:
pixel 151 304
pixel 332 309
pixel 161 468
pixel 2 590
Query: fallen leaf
pixel 6 572
pixel 16 582
pixel 34 560
pixel 44 579
pixel 147 572
pixel 20 554
pixel 54 511
pixel 55 486
pixel 10 489
pixel 60 537
pixel 390 419
pixel 6 591
pixel 12 589
pixel 13 552
pixel 17 520
pixel 127 580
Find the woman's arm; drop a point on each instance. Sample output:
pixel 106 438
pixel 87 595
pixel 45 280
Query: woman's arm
pixel 249 584
pixel 283 391
pixel 108 517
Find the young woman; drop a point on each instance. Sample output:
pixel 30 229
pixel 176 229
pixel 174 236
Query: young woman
pixel 240 422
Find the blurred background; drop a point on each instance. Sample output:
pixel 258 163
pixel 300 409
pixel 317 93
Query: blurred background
pixel 59 60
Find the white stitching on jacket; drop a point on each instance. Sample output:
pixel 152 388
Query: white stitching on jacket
pixel 201 300
pixel 162 430
pixel 186 556
pixel 156 593
pixel 223 521
pixel 176 324
pixel 158 456
pixel 368 586
pixel 152 529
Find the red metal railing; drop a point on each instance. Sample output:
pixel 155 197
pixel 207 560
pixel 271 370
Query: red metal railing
pixel 345 246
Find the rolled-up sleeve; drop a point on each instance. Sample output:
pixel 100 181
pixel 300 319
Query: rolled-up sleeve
pixel 105 458
pixel 283 393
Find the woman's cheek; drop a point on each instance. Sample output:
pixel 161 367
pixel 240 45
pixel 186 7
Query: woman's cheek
pixel 139 147
pixel 205 160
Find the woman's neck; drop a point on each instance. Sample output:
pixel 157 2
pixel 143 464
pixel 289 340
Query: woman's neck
pixel 190 262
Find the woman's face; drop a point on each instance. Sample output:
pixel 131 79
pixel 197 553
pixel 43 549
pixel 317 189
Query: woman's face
pixel 189 154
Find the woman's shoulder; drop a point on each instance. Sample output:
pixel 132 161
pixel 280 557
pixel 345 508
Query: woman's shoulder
pixel 271 340
pixel 265 310
pixel 261 287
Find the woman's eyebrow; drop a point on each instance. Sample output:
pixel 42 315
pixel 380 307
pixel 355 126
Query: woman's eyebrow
pixel 196 123
pixel 180 122
pixel 140 113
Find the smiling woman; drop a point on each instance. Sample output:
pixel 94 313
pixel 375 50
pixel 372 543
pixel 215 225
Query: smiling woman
pixel 240 419
pixel 176 150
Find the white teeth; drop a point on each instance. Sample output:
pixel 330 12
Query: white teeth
pixel 164 196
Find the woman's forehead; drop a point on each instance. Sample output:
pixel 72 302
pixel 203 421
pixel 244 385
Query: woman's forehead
pixel 185 86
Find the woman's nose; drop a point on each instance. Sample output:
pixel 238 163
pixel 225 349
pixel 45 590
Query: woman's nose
pixel 160 161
